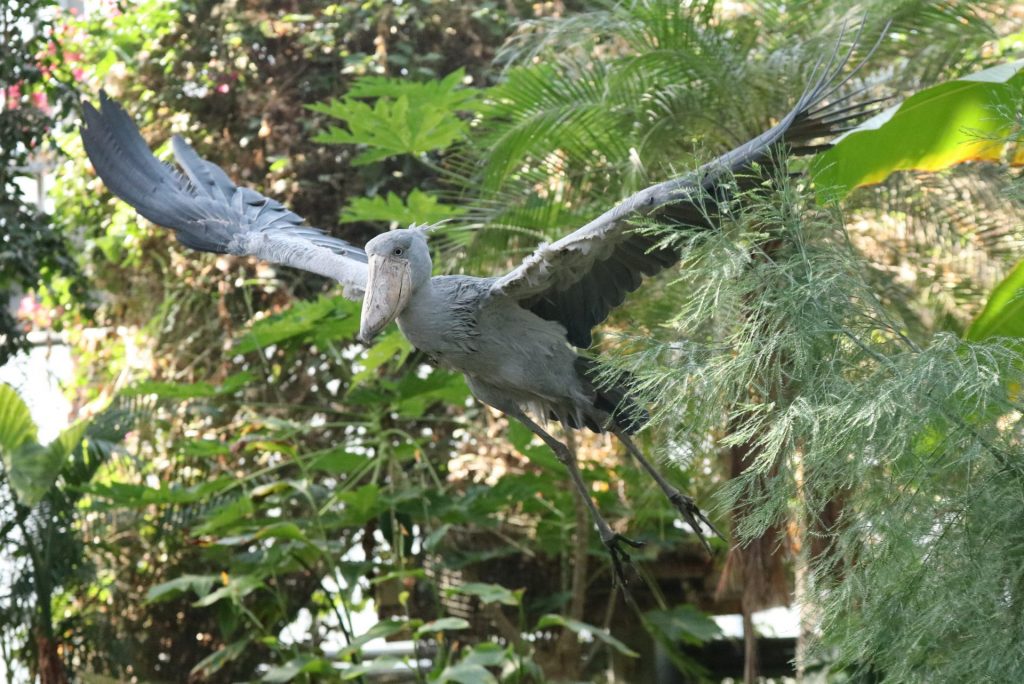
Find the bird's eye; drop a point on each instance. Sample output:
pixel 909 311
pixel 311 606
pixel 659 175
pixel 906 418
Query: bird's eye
pixel 398 251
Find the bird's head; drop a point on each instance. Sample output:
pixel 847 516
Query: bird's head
pixel 399 263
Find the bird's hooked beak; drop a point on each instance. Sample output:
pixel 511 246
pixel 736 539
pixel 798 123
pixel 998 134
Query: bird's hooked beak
pixel 387 292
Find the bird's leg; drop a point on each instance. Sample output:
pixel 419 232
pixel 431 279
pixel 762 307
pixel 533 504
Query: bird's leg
pixel 611 539
pixel 683 503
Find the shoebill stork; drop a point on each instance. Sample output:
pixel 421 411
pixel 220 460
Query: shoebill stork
pixel 515 337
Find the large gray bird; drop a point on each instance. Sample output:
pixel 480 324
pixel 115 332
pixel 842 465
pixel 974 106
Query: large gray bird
pixel 514 337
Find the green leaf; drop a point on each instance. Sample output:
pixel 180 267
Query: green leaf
pixel 383 630
pixel 171 390
pixel 684 623
pixel 16 426
pixel 1003 314
pixel 486 655
pixel 419 207
pixel 296 666
pixel 281 530
pixel 219 658
pixel 442 625
pixel 338 462
pixel 465 673
pixel 235 590
pixel 934 129
pixel 225 515
pixel 408 117
pixel 300 319
pixel 488 593
pixel 391 344
pixel 418 394
pixel 377 666
pixel 361 505
pixel 553 620
pixel 200 584
pixel 33 468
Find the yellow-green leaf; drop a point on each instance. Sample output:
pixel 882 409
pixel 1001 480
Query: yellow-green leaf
pixel 1003 314
pixel 967 119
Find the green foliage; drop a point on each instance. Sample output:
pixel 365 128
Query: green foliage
pixel 418 207
pixel 581 628
pixel 31 468
pixel 782 342
pixel 36 93
pixel 280 473
pixel 932 130
pixel 407 117
pixel 1003 314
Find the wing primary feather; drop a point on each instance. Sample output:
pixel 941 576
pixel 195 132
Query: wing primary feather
pixel 205 209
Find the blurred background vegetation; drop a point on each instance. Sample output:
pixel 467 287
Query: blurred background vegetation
pixel 247 494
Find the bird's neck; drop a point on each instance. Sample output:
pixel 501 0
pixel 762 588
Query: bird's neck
pixel 422 319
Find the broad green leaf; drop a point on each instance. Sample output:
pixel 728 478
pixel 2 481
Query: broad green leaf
pixel 489 593
pixel 391 344
pixel 418 394
pixel 465 673
pixel 296 666
pixel 377 666
pixel 381 630
pixel 685 623
pixel 443 625
pixel 200 584
pixel 218 659
pixel 300 319
pixel 418 207
pixel 486 655
pixel 33 468
pixel 408 117
pixel 225 515
pixel 963 120
pixel 16 426
pixel 236 589
pixel 362 504
pixel 553 620
pixel 281 530
pixel 1003 314
pixel 337 461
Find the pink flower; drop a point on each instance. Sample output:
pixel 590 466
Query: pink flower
pixel 78 73
pixel 40 102
pixel 223 88
pixel 13 96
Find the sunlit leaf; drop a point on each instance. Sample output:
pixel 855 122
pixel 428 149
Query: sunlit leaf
pixel 300 319
pixel 226 514
pixel 1003 314
pixel 963 120
pixel 33 468
pixel 381 630
pixel 419 207
pixel 16 426
pixel 443 625
pixel 408 117
pixel 235 590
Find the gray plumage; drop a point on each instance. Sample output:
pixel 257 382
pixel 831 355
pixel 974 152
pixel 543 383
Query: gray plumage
pixel 513 337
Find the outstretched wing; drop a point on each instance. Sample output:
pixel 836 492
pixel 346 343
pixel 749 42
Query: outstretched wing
pixel 205 209
pixel 579 279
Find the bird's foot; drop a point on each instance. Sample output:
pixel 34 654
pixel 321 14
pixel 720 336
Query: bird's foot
pixel 694 517
pixel 620 558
